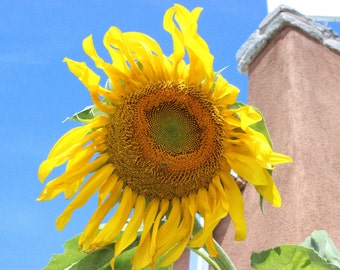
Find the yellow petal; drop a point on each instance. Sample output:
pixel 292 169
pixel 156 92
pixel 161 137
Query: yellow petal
pixel 211 218
pixel 91 186
pixel 236 209
pixel 211 247
pixel 270 193
pixel 203 205
pixel 69 145
pixel 223 198
pixel 110 70
pixel 51 190
pixel 247 168
pixel 177 39
pixel 151 49
pixel 224 93
pixel 117 39
pixel 163 208
pixel 71 176
pixel 68 140
pixel 184 231
pixel 186 37
pixel 174 254
pixel 76 163
pixel 72 189
pixel 91 229
pixel 130 233
pixel 117 56
pixel 48 165
pixel 107 187
pixel 148 53
pixel 167 232
pixel 61 150
pixel 276 158
pixel 142 256
pixel 91 81
pixel 113 227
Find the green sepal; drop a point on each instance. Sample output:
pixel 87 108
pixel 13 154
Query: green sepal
pixel 317 252
pixel 86 115
pixel 261 203
pixel 261 127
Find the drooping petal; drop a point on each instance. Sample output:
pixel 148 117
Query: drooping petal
pixel 64 144
pixel 248 116
pixel 270 193
pixel 186 36
pixel 107 187
pixel 130 233
pixel 55 186
pixel 113 227
pixel 211 247
pixel 149 54
pixel 163 209
pixel 91 81
pixel 236 209
pixel 247 168
pixel 224 93
pixel 178 42
pixel 91 186
pixel 142 256
pixel 166 237
pixel 218 210
pixel 277 158
pixel 184 231
pixel 91 229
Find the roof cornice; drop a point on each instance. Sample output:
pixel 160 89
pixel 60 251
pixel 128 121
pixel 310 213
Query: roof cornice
pixel 280 18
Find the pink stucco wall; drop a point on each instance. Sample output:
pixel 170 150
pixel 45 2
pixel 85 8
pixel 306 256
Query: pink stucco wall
pixel 295 82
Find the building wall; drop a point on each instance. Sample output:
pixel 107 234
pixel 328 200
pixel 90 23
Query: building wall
pixel 295 82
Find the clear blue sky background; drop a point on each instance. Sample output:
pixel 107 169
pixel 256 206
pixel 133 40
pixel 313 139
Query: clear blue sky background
pixel 37 92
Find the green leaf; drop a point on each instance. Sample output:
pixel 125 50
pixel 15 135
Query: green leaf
pixel 124 260
pixel 74 259
pixel 323 245
pixel 85 115
pixel 99 259
pixel 71 255
pixel 316 252
pixel 288 257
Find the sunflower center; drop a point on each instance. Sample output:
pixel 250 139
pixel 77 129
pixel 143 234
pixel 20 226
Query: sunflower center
pixel 165 140
pixel 173 129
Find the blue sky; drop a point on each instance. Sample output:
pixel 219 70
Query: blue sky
pixel 37 92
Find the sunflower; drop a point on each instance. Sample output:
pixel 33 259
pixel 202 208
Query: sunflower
pixel 160 148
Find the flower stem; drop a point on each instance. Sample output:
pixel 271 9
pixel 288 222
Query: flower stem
pixel 222 262
pixel 206 257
